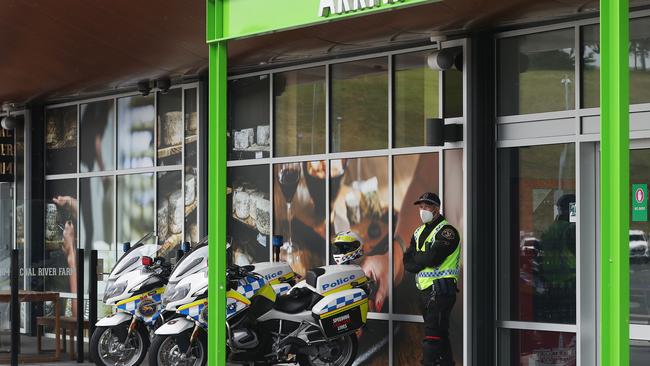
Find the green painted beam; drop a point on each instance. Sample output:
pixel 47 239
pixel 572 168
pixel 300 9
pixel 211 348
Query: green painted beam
pixel 614 183
pixel 218 58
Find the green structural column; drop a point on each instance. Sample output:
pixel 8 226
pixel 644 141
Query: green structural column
pixel 218 55
pixel 614 184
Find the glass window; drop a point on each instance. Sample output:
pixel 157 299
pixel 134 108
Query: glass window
pixel 299 124
pixel 249 221
pixel 533 347
pixel 170 212
pixel 416 97
pixel 373 344
pixel 412 176
pixel 191 168
pixel 61 212
pixel 170 127
pixel 537 234
pixel 135 126
pixel 61 140
pixel 249 124
pixel 299 213
pixel 96 201
pixel 639 353
pixel 359 202
pixel 453 93
pixel 639 63
pixel 96 143
pixel 135 206
pixel 639 250
pixel 536 73
pixel 359 105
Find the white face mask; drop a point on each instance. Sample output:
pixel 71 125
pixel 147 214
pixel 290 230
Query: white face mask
pixel 426 216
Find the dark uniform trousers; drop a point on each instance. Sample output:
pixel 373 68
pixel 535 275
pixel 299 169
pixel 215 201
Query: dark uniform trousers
pixel 436 311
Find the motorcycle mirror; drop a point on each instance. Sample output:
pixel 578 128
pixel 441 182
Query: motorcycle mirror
pixel 126 247
pixel 147 261
pixel 185 247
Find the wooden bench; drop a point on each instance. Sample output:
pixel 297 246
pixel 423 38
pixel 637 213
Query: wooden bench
pixel 67 325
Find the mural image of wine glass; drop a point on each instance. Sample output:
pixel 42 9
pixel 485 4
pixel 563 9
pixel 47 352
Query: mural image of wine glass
pixel 288 178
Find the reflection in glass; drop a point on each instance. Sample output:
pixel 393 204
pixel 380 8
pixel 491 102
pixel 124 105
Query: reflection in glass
pixel 6 235
pixel 299 124
pixel 135 206
pixel 453 93
pixel 61 140
pixel 249 208
pixel 135 125
pixel 639 63
pixel 536 73
pixel 249 118
pixel 639 353
pixel 170 212
pixel 373 344
pixel 96 142
pixel 307 227
pixel 191 168
pixel 96 205
pixel 416 97
pixel 537 234
pixel 170 127
pixel 533 347
pixel 61 212
pixel 359 105
pixel 639 250
pixel 359 202
pixel 288 177
pixel 412 176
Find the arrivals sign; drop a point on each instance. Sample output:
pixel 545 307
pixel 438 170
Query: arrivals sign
pixel 639 202
pixel 245 18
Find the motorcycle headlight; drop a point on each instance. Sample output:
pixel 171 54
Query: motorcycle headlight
pixel 178 293
pixel 114 290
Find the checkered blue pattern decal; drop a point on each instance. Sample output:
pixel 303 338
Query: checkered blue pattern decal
pixel 249 286
pixel 345 301
pixel 194 312
pixel 131 307
pixel 437 274
pixel 281 288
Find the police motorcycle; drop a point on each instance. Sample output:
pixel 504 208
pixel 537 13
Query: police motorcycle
pixel 135 287
pixel 313 324
pixel 182 340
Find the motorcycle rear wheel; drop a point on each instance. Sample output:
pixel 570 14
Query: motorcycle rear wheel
pixel 345 353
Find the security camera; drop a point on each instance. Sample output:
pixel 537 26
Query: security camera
pixel 144 88
pixel 445 59
pixel 8 123
pixel 163 84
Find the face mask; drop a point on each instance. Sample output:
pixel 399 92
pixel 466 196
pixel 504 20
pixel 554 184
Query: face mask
pixel 426 216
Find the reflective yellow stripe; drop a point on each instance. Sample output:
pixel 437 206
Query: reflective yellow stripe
pixel 266 291
pixel 192 304
pixel 157 291
pixel 237 296
pixel 347 307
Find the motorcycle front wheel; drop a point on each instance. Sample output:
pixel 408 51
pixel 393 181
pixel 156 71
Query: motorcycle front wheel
pixel 107 350
pixel 339 352
pixel 166 352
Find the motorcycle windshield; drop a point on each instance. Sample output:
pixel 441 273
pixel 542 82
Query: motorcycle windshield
pixel 192 262
pixel 132 259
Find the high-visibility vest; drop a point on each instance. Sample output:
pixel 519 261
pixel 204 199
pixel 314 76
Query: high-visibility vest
pixel 450 267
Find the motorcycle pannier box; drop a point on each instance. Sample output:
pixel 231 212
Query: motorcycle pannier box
pixel 342 312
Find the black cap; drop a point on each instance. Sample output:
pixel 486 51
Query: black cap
pixel 429 197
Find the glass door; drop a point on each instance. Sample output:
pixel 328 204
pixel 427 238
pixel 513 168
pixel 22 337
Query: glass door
pixel 639 255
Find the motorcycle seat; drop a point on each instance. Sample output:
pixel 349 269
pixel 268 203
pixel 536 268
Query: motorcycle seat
pixel 294 302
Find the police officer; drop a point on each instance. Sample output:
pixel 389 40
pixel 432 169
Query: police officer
pixel 434 256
